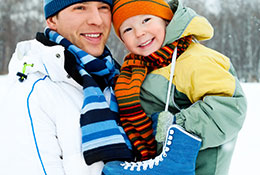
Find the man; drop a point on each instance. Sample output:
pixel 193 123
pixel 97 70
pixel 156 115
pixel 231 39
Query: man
pixel 66 68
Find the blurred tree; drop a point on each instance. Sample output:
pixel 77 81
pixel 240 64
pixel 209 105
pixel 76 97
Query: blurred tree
pixel 19 19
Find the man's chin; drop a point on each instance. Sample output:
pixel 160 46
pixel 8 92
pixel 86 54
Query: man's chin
pixel 94 50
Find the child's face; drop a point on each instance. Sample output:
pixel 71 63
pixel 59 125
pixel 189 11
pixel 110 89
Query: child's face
pixel 143 34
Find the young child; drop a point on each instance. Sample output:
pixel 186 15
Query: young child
pixel 207 99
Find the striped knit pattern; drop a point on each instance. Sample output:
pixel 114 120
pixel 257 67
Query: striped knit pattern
pixel 102 138
pixel 137 125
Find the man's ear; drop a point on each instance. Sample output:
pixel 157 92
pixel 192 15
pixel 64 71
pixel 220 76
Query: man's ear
pixel 52 22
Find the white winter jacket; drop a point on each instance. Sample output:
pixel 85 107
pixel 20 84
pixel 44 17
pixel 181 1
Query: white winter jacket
pixel 39 117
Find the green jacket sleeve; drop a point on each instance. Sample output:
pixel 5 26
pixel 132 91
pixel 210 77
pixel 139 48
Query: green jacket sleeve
pixel 216 119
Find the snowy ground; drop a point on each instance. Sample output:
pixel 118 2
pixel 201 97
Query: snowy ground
pixel 246 157
pixel 247 152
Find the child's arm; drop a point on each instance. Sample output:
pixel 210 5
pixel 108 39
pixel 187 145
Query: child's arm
pixel 219 104
pixel 216 119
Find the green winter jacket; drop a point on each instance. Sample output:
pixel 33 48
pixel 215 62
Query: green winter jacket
pixel 207 98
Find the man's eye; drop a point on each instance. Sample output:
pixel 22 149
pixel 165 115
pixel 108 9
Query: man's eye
pixel 105 7
pixel 79 7
pixel 146 20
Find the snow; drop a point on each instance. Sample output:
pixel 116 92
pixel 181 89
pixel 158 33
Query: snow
pixel 246 156
pixel 2 86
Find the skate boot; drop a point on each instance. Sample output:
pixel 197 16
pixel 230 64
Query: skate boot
pixel 178 157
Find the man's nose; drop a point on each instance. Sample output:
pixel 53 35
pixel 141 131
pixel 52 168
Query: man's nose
pixel 94 17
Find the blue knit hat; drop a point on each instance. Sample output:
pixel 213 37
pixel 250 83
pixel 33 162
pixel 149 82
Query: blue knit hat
pixel 51 7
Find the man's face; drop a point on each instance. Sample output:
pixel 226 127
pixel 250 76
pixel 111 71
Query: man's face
pixel 87 25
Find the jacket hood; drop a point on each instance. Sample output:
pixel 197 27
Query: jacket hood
pixel 45 60
pixel 187 22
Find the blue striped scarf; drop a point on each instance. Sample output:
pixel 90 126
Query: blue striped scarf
pixel 102 138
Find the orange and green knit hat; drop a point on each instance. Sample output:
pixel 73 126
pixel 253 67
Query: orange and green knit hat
pixel 124 9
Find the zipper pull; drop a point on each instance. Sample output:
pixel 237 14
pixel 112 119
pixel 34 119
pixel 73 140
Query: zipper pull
pixel 22 74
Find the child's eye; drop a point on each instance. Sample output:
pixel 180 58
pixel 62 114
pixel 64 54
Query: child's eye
pixel 146 20
pixel 127 30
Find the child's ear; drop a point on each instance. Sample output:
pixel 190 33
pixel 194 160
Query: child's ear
pixel 52 22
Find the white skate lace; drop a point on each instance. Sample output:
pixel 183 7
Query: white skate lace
pixel 151 162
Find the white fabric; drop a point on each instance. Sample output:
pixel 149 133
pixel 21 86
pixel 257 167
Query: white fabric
pixel 54 105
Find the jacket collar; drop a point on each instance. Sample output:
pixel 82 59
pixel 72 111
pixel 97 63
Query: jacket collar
pixel 69 59
pixel 70 62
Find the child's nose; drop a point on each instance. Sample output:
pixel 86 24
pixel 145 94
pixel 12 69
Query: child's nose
pixel 139 32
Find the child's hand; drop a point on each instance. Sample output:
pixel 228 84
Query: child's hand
pixel 161 122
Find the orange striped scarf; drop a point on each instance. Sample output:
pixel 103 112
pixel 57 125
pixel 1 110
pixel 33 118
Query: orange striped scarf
pixel 137 125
